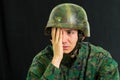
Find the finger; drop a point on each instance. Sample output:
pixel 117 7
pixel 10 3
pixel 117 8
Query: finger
pixel 53 34
pixel 57 34
pixel 60 35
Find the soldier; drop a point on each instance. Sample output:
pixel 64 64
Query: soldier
pixel 69 57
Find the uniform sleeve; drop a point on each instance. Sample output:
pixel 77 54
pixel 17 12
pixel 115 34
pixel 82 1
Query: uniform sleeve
pixel 109 69
pixel 38 71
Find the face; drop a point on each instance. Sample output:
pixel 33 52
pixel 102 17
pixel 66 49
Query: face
pixel 69 39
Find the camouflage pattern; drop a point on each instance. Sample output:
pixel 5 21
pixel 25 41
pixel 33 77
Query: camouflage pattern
pixel 68 15
pixel 98 65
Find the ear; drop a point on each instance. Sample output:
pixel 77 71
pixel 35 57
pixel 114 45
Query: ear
pixel 83 38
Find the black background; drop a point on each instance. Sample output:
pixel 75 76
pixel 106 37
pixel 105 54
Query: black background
pixel 22 25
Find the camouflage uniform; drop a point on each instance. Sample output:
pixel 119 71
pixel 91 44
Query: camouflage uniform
pixel 91 63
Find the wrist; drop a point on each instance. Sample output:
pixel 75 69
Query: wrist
pixel 56 61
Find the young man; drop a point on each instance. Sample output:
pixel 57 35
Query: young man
pixel 69 58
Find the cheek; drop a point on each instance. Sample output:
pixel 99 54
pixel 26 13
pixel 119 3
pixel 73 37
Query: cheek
pixel 74 39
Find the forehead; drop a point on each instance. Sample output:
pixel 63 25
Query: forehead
pixel 68 29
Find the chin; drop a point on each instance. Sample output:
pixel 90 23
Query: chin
pixel 66 52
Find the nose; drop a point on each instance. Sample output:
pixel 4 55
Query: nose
pixel 64 37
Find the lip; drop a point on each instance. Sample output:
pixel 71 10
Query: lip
pixel 65 47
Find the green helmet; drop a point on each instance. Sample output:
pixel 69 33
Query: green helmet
pixel 68 15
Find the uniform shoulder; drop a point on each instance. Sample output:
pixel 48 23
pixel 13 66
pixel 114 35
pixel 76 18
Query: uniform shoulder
pixel 99 50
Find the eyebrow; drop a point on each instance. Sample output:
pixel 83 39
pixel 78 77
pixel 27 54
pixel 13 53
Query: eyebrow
pixel 70 30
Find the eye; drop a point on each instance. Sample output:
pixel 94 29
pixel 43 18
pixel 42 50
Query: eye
pixel 70 32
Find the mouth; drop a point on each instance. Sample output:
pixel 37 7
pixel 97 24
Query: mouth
pixel 65 47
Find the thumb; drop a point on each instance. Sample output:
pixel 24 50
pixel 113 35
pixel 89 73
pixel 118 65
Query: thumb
pixel 51 40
